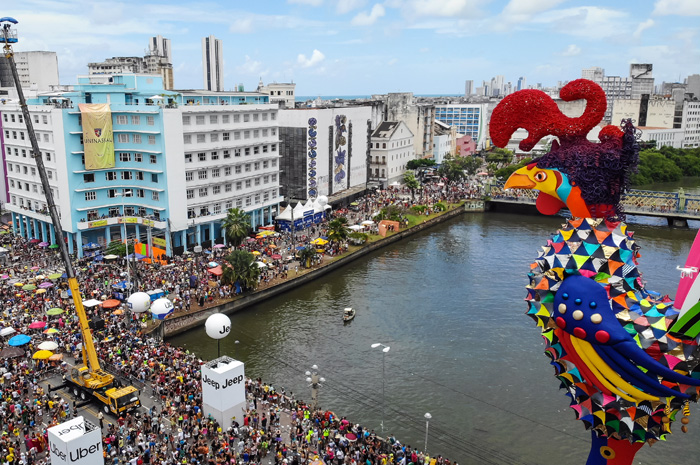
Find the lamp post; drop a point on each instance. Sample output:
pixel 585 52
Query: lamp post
pixel 385 349
pixel 427 422
pixel 315 380
pixel 123 195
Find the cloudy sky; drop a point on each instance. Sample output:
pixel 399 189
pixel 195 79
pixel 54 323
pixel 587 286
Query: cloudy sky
pixel 359 47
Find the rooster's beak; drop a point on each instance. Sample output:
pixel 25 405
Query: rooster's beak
pixel 519 180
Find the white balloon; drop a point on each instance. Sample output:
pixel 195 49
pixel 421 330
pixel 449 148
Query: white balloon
pixel 139 302
pixel 161 308
pixel 218 326
pixel 322 200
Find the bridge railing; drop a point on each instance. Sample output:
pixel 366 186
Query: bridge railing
pixel 635 200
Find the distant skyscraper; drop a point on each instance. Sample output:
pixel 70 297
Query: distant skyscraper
pixel 35 69
pixel 522 83
pixel 468 88
pixel 594 74
pixel 693 82
pixel 213 63
pixel 161 47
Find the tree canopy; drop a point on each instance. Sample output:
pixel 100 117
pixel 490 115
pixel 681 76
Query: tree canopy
pixel 240 266
pixel 236 225
pixel 420 163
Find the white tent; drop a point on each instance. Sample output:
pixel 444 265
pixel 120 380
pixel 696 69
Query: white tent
pixel 355 227
pixel 318 208
pixel 285 215
pixel 309 207
pixel 299 211
pixel 91 303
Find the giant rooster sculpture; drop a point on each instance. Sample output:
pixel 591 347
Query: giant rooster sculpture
pixel 627 359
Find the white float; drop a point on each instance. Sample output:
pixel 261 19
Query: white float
pixel 139 302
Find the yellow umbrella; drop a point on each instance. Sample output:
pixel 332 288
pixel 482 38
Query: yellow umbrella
pixel 266 233
pixel 255 252
pixel 19 284
pixel 42 354
pixel 319 241
pixel 40 291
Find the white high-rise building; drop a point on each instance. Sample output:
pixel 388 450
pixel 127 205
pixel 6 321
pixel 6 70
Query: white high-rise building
pixel 37 70
pixel 468 88
pixel 594 73
pixel 213 63
pixel 160 46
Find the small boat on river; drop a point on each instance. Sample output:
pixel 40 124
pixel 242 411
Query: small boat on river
pixel 348 314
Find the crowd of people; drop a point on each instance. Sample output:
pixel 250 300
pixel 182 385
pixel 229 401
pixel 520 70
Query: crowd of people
pixel 275 427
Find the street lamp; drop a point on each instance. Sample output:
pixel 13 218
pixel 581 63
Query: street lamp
pixel 123 195
pixel 427 422
pixel 385 349
pixel 315 380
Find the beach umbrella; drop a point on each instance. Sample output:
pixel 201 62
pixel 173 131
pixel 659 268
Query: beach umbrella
pixel 18 284
pixel 53 246
pixel 212 264
pixel 260 264
pixel 276 256
pixel 45 285
pixel 37 325
pixel 50 331
pixel 5 276
pixel 109 339
pixel 19 340
pixel 29 287
pixel 54 311
pixel 35 268
pixel 56 357
pixel 7 331
pixel 118 312
pixel 111 257
pixel 43 244
pixel 42 354
pixel 55 276
pixel 250 239
pixel 40 291
pixel 48 345
pixel 255 252
pixel 11 352
pixel 219 246
pixel 40 277
pixel 111 303
pixel 34 241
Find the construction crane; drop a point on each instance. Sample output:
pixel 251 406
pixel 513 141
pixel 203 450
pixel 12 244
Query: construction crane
pixel 89 379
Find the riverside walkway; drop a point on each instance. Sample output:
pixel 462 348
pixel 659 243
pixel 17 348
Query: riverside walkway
pixel 676 207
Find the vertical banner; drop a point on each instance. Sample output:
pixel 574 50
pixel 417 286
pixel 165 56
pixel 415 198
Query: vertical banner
pixel 98 139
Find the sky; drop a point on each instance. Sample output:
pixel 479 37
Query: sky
pixel 362 47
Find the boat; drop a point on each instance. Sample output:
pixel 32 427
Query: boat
pixel 348 314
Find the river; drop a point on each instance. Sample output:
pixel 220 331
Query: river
pixel 449 303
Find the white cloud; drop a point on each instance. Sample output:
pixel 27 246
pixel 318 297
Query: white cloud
pixel 242 26
pixel 316 58
pixel 307 2
pixel 364 19
pixel 642 27
pixel 677 7
pixel 586 21
pixel 251 67
pixel 571 51
pixel 346 6
pixel 393 61
pixel 526 8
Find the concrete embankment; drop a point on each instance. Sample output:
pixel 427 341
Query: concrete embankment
pixel 182 323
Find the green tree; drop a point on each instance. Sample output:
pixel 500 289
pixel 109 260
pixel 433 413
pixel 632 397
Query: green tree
pixel 236 225
pixel 409 179
pixel 654 166
pixel 337 229
pixel 451 170
pixel 420 163
pixel 499 155
pixel 118 248
pixel 240 266
pixel 358 238
pixel 505 172
pixel 306 255
pixel 471 164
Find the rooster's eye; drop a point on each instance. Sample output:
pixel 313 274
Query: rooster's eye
pixel 540 176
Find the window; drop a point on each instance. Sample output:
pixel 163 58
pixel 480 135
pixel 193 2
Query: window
pixel 237 135
pixel 129 211
pixel 227 171
pixel 139 176
pixel 227 154
pixel 186 120
pixel 123 138
pixel 274 162
pixel 154 195
pixel 12 183
pixel 112 193
pixel 237 152
pixel 111 175
pixel 48 156
pixel 256 166
pixel 151 121
pixel 217 208
pixel 246 117
pixel 201 138
pixel 203 211
pixel 247 151
pixel 224 119
pixel 188 158
pixel 89 177
pixel 257 181
pixel 226 136
pixel 273 178
pixel 202 174
pixel 122 119
pixel 264 147
pixel 9 167
pixel 152 139
pixel 140 193
pixel 154 159
pixel 246 134
pixel 265 164
pixel 247 201
pixel 256 150
pixel 213 137
pixel 229 204
pixel 256 133
pixel 227 187
pixel 264 116
pixel 247 183
pixel 142 211
pixel 188 138
pixel 137 138
pixel 236 118
pixel 216 190
pixel 238 169
pixel 203 191
pixel 124 156
pixel 247 167
pixel 202 156
pixel 190 193
pixel 255 117
pixel 239 185
pixel 273 116
pixel 92 215
pixel 189 175
pixel 135 120
pixel 213 119
pixel 154 178
pixel 266 179
pixel 215 173
pixel 239 203
pixel 200 119
pixel 126 175
pixel 257 198
pixel 138 157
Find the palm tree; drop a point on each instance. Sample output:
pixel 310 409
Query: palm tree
pixel 240 266
pixel 236 226
pixel 306 255
pixel 409 179
pixel 337 231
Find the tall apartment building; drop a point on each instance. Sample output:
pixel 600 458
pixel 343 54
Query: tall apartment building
pixel 522 83
pixel 693 85
pixel 593 74
pixel 213 63
pixel 178 165
pixel 468 88
pixel 691 124
pixel 36 70
pixel 467 119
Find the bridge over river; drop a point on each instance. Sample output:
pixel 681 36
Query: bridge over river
pixel 676 207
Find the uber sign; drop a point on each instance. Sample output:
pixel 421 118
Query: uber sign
pixel 75 442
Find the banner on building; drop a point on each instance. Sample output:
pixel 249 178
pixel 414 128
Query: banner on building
pixel 98 139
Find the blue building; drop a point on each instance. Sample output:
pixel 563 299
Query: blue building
pixel 467 119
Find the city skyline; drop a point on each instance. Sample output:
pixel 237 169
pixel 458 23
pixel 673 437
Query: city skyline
pixel 359 47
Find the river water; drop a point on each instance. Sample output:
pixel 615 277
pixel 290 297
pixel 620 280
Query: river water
pixel 449 303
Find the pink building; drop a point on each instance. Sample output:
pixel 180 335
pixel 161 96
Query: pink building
pixel 465 146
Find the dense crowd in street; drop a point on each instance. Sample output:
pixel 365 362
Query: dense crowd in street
pixel 175 431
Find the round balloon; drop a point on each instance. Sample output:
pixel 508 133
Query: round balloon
pixel 161 308
pixel 218 326
pixel 322 200
pixel 139 302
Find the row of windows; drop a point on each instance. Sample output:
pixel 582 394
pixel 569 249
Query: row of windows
pixel 225 118
pixel 112 193
pixel 216 209
pixel 216 172
pixel 401 143
pixel 135 120
pixel 228 187
pixel 213 156
pixel 137 157
pixel 20 135
pixel 226 136
pixel 27 203
pixel 24 169
pixel 124 176
pixel 12 117
pixel 123 138
pixel 29 187
pixel 25 152
pixel 117 211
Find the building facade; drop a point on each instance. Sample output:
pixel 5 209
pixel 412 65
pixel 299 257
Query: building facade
pixel 281 93
pixel 691 124
pixel 391 147
pixel 467 119
pixel 664 137
pixel 656 112
pixel 37 70
pixel 213 63
pixel 179 163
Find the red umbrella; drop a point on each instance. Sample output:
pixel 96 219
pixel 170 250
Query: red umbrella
pixel 37 325
pixel 276 256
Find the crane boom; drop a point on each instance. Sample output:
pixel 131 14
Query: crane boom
pixel 99 376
